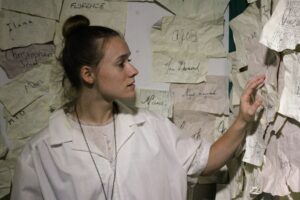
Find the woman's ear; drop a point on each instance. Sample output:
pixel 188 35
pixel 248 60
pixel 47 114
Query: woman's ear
pixel 87 74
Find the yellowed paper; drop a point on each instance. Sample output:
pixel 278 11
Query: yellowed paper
pixel 181 47
pixel 3 147
pixel 180 34
pixel 19 60
pixel 172 5
pixel 198 125
pixel 246 27
pixel 48 9
pixel 282 30
pixel 5 179
pixel 21 30
pixel 29 120
pixel 99 12
pixel 255 148
pixel 25 88
pixel 156 100
pixel 290 98
pixel 203 9
pixel 179 68
pixel 210 96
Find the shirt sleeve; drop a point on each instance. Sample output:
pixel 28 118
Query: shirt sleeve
pixel 192 153
pixel 25 182
pixel 199 161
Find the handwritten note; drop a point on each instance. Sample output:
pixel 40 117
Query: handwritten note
pixel 290 97
pixel 221 125
pixel 210 96
pixel 20 125
pixel 282 30
pixel 198 125
pixel 246 27
pixel 25 88
pixel 255 148
pixel 48 9
pixel 17 30
pixel 188 36
pixel 180 69
pixel 156 100
pixel 181 47
pixel 99 12
pixel 19 60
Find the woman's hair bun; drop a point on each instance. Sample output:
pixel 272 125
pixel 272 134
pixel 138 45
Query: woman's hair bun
pixel 74 23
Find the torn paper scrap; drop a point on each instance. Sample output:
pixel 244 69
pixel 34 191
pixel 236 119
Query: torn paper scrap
pixel 48 9
pixel 17 30
pixel 210 96
pixel 282 31
pixel 5 179
pixel 158 101
pixel 245 27
pixel 290 97
pixel 19 60
pixel 99 12
pixel 208 10
pixel 25 88
pixel 255 147
pixel 29 120
pixel 196 124
pixel 178 34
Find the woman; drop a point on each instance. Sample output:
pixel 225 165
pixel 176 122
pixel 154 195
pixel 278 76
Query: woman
pixel 97 148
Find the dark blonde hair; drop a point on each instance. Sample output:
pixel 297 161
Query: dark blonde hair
pixel 83 45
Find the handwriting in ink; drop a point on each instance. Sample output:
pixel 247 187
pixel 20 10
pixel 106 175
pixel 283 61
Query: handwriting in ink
pixel 184 35
pixel 197 135
pixel 15 26
pixel 31 84
pixel 221 127
pixel 152 100
pixel 291 17
pixel 181 66
pixel 76 5
pixel 191 93
pixel 15 117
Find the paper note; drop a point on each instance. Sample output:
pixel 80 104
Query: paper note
pixel 282 31
pixel 18 30
pixel 156 100
pixel 3 147
pixel 29 120
pixel 185 35
pixel 19 60
pixel 181 47
pixel 252 185
pixel 198 125
pixel 255 147
pixel 48 9
pixel 25 88
pixel 179 68
pixel 221 125
pixel 5 179
pixel 210 96
pixel 203 9
pixel 290 98
pixel 245 27
pixel 99 12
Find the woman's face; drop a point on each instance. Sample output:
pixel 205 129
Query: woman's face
pixel 114 73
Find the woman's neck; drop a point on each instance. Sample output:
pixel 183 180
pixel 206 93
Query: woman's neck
pixel 93 111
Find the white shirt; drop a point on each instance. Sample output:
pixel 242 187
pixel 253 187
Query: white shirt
pixel 154 161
